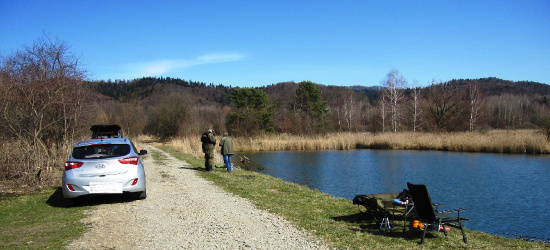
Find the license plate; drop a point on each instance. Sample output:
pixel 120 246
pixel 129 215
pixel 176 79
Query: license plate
pixel 105 187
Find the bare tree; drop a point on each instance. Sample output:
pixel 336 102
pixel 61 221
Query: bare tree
pixel 541 118
pixel 42 97
pixel 383 104
pixel 335 104
pixel 509 111
pixel 414 107
pixel 476 101
pixel 350 110
pixel 395 85
pixel 168 115
pixel 444 104
pixel 129 115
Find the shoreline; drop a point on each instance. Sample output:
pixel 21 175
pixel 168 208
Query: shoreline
pixel 337 220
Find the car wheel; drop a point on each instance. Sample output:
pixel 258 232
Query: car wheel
pixel 71 202
pixel 68 202
pixel 141 195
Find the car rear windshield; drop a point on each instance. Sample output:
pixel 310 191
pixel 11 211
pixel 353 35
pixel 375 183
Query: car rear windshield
pixel 101 151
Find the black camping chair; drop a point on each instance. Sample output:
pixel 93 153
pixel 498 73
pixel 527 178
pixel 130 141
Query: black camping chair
pixel 381 208
pixel 376 205
pixel 428 213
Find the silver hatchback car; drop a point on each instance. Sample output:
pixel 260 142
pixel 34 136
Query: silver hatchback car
pixel 104 166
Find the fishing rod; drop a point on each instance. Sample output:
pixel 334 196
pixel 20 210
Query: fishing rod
pixel 244 160
pixel 258 165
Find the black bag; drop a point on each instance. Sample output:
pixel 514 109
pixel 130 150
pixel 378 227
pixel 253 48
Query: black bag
pixel 404 196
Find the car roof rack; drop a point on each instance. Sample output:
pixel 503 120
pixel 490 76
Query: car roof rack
pixel 106 131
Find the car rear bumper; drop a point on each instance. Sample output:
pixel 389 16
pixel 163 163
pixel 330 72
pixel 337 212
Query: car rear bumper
pixel 81 185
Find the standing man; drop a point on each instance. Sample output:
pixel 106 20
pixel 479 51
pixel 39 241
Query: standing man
pixel 208 144
pixel 227 150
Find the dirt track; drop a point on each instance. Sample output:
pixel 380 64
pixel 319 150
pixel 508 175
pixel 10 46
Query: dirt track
pixel 183 210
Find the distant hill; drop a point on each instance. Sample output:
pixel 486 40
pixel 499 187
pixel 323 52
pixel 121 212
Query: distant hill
pixel 505 105
pixel 143 88
pixel 154 88
pixel 495 86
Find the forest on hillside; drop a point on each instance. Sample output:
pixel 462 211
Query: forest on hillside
pixel 48 104
pixel 176 107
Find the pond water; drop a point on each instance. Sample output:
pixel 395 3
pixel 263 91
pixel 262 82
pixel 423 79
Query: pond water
pixel 503 194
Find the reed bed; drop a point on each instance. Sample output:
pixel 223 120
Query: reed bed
pixel 497 141
pixel 193 146
pixel 340 141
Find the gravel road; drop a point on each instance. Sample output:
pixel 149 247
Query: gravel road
pixel 183 210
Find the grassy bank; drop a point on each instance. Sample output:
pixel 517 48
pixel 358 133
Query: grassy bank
pixel 337 220
pixel 497 141
pixel 38 221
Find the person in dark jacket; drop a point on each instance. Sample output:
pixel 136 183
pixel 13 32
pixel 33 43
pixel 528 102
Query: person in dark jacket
pixel 208 143
pixel 227 150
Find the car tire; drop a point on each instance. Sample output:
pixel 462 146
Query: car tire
pixel 68 202
pixel 71 202
pixel 141 195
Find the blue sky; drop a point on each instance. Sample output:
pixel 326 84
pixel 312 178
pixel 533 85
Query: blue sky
pixel 257 43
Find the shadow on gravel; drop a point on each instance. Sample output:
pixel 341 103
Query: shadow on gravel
pixel 57 199
pixel 191 168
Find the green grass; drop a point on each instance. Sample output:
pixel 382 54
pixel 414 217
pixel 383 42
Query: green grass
pixel 337 220
pixel 158 157
pixel 38 220
pixel 159 160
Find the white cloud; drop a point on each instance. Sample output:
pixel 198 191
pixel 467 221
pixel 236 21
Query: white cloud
pixel 215 58
pixel 163 67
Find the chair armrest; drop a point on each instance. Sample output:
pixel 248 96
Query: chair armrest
pixel 436 206
pixel 453 210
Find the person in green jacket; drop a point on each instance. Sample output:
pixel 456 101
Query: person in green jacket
pixel 208 144
pixel 227 150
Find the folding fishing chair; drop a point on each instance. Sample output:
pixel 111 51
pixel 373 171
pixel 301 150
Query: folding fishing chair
pixel 428 213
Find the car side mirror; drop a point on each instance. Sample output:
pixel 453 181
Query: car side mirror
pixel 142 152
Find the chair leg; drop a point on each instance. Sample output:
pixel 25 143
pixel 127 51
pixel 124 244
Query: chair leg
pixel 385 225
pixel 424 234
pixel 463 234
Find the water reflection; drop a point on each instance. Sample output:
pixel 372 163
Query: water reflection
pixel 502 193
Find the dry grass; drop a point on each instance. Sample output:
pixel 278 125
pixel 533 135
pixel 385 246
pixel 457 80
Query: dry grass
pixel 341 141
pixel 192 146
pixel 23 169
pixel 497 141
pixel 145 139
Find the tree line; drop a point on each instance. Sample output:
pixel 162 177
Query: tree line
pixel 47 104
pixel 306 108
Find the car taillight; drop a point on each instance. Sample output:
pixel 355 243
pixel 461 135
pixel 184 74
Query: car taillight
pixel 135 182
pixel 72 164
pixel 130 160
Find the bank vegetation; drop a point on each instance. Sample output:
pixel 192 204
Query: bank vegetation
pixel 497 141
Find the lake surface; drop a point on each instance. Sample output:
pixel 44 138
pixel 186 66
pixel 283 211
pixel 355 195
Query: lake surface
pixel 503 194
